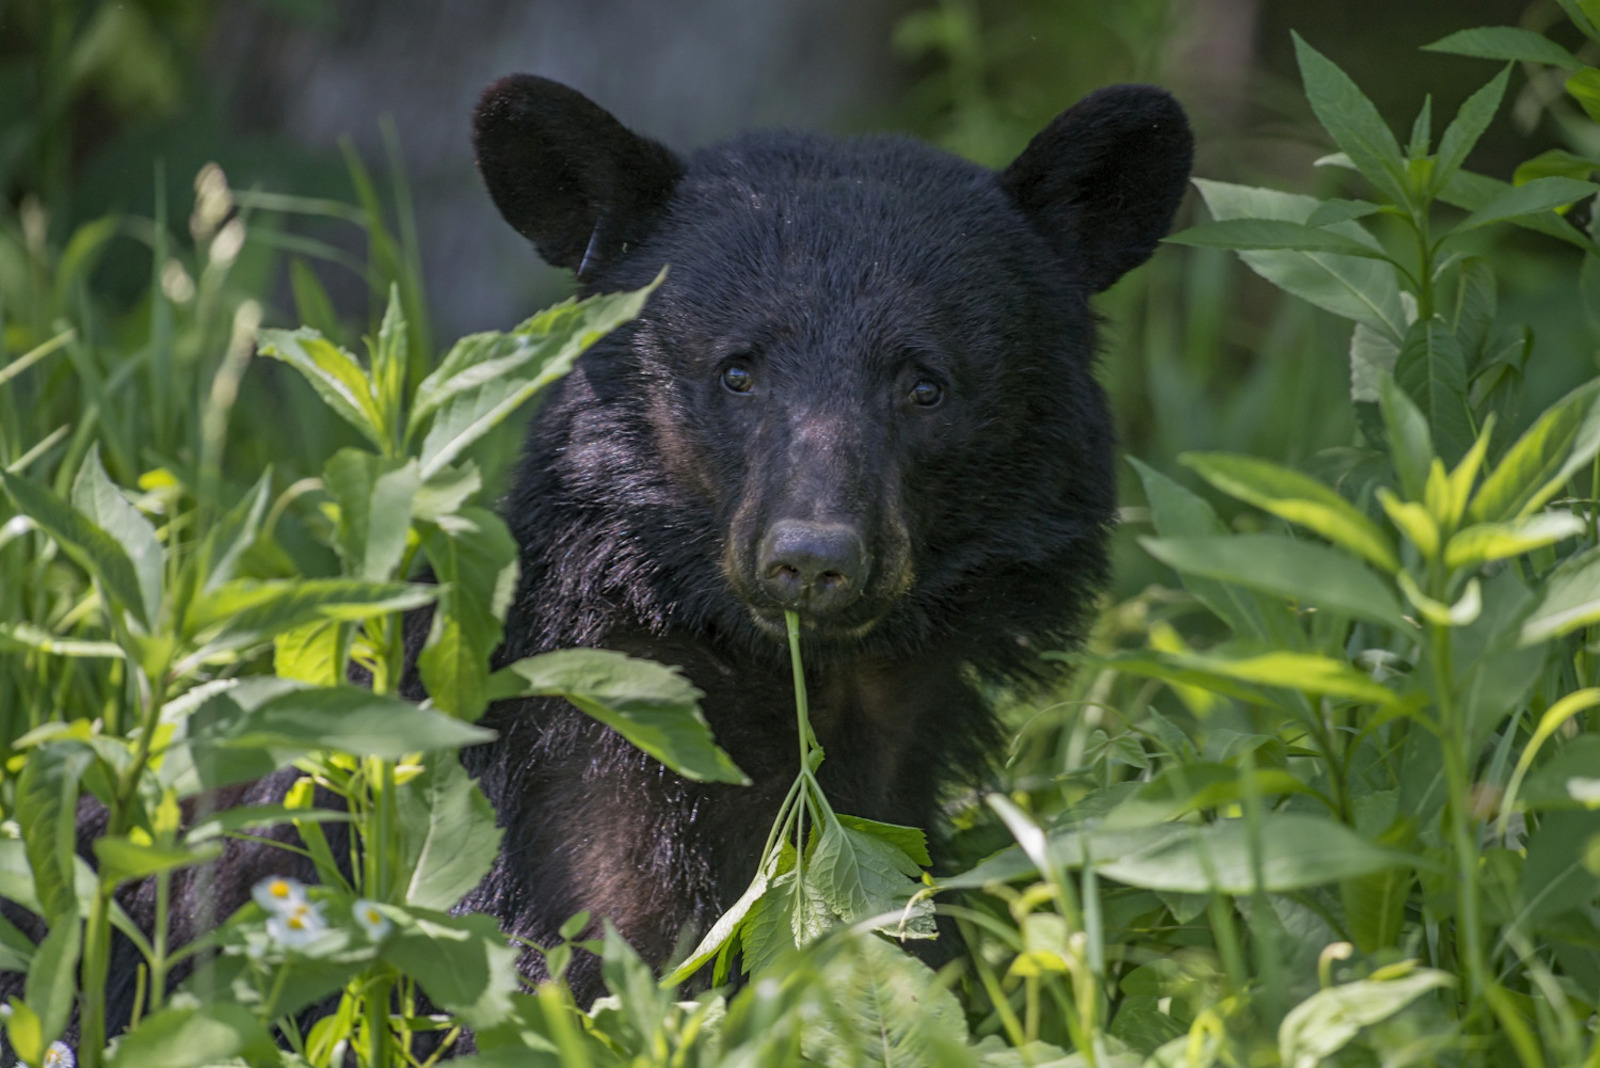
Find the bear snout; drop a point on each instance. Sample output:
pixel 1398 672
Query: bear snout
pixel 812 567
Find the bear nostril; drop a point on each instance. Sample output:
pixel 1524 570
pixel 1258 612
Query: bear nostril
pixel 816 567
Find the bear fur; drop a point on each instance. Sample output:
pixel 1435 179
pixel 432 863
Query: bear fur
pixel 865 390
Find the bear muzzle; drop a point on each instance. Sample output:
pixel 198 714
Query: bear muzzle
pixel 812 567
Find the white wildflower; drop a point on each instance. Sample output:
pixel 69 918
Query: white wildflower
pixel 60 1055
pixel 279 893
pixel 297 926
pixel 371 919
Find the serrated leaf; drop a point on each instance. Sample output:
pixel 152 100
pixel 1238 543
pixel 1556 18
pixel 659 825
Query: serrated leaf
pixel 1468 126
pixel 1471 192
pixel 374 497
pixel 1505 43
pixel 1298 498
pixel 1352 121
pixel 476 563
pixel 1433 373
pixel 1364 290
pixel 449 834
pixel 1535 198
pixel 335 375
pixel 1562 440
pixel 649 704
pixel 309 653
pixel 725 928
pixel 46 812
pixel 462 962
pixel 99 501
pixel 1274 234
pixel 1313 575
pixel 891 1011
pixel 861 875
pixel 1372 355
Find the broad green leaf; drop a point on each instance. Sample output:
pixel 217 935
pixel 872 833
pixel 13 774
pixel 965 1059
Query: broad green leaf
pixel 1364 290
pixel 1176 512
pixel 1505 42
pixel 1554 878
pixel 1314 575
pixel 889 1011
pixel 1072 848
pixel 96 551
pixel 46 813
pixel 1472 308
pixel 1295 852
pixel 336 376
pixel 1534 198
pixel 235 532
pixel 860 874
pixel 1554 162
pixel 346 718
pixel 99 501
pixel 1274 234
pixel 462 962
pixel 725 927
pixel 1585 89
pixel 1433 373
pixel 912 841
pixel 651 705
pixel 475 562
pixel 1372 356
pixel 1571 600
pixel 1410 442
pixel 245 611
pixel 449 834
pixel 1299 499
pixel 195 1036
pixel 1471 192
pixel 1483 542
pixel 309 653
pixel 1562 440
pixel 466 414
pixel 1336 210
pixel 1237 676
pixel 1352 121
pixel 1468 126
pixel 1325 1022
pixel 374 497
pixel 122 859
pixel 52 978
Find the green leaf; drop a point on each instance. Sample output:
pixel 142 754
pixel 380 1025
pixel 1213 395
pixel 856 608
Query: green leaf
pixel 1410 442
pixel 725 928
pixel 195 1037
pixel 1236 676
pixel 1274 234
pixel 1471 192
pixel 28 636
pixel 1571 600
pixel 46 812
pixel 1295 852
pixel 235 532
pixel 890 1010
pixel 1364 290
pixel 1468 126
pixel 462 962
pixel 1472 308
pixel 448 832
pixel 1562 440
pixel 1554 162
pixel 1538 196
pixel 651 705
pixel 1355 125
pixel 463 411
pixel 476 562
pixel 98 500
pixel 335 375
pixel 1554 878
pixel 1294 570
pixel 1298 498
pixel 1585 89
pixel 1505 42
pixel 1433 373
pixel 96 551
pixel 52 978
pixel 1372 356
pixel 346 718
pixel 1551 785
pixel 1484 542
pixel 122 859
pixel 860 875
pixel 1325 1022
pixel 311 304
pixel 309 653
pixel 246 611
pixel 374 497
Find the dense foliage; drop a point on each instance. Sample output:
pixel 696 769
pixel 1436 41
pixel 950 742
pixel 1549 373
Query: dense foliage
pixel 1334 798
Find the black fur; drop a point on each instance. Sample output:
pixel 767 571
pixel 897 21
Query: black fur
pixel 838 275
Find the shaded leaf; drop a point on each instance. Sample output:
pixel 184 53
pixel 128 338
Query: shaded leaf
pixel 1505 42
pixel 449 834
pixel 1352 120
pixel 1274 234
pixel 475 561
pixel 1325 1022
pixel 1536 197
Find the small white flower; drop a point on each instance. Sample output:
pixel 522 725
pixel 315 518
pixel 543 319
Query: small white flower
pixel 296 926
pixel 371 919
pixel 5 1010
pixel 279 894
pixel 60 1055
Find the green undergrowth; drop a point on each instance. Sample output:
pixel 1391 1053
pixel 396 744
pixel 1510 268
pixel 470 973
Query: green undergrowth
pixel 1329 793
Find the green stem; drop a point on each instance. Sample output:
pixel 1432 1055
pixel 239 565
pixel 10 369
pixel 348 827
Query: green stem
pixel 1453 741
pixel 375 1008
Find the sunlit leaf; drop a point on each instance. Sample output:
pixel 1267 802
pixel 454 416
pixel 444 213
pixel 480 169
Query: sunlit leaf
pixel 1325 1022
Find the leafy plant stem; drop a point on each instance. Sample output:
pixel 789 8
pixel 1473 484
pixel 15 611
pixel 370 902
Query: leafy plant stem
pixel 1424 279
pixel 375 1006
pixel 1453 739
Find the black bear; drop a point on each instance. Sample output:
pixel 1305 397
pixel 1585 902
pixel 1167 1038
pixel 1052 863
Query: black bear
pixel 864 392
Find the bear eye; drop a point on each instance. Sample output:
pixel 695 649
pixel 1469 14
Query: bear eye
pixel 736 378
pixel 927 393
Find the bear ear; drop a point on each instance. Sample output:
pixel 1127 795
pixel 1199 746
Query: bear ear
pixel 1103 180
pixel 565 174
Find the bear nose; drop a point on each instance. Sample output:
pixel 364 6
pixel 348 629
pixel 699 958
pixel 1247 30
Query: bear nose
pixel 812 567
